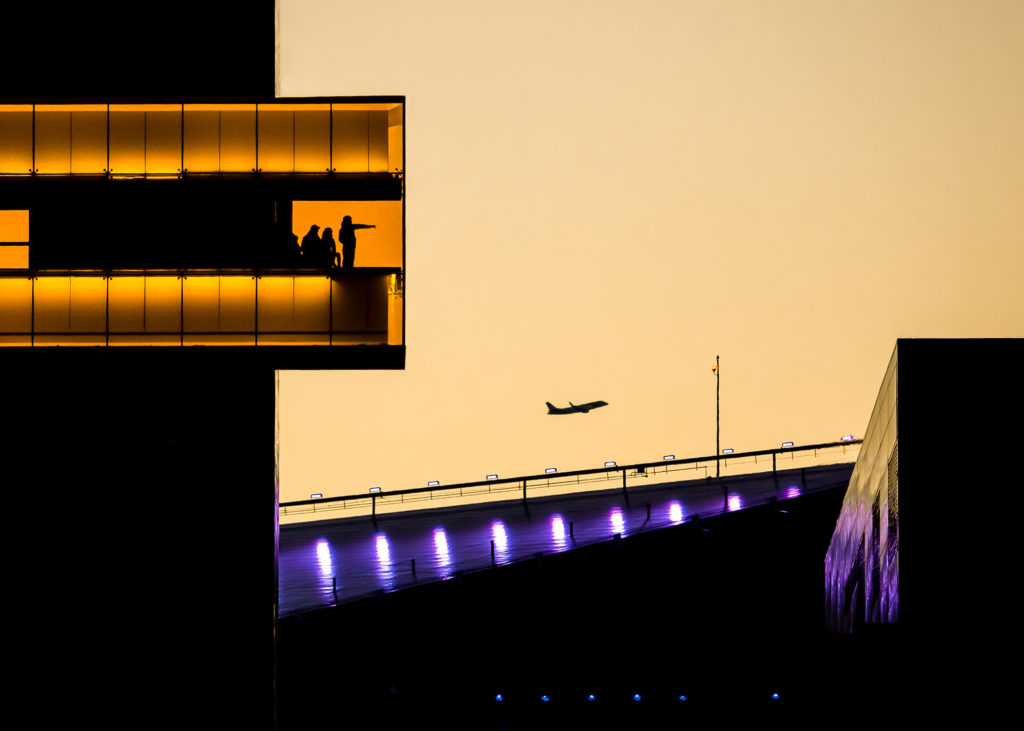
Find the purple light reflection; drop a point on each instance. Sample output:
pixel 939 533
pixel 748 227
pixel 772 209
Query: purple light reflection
pixel 792 491
pixel 324 560
pixel 734 502
pixel 618 521
pixel 675 512
pixel 385 569
pixel 558 533
pixel 443 553
pixel 500 535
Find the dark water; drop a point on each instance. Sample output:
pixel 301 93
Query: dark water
pixel 332 562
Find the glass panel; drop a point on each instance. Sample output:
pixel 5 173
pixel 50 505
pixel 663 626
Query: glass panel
pixel 396 310
pixel 277 141
pixel 127 140
pixel 238 308
pixel 89 139
pixel 15 139
pixel 276 304
pixel 14 227
pixel 88 310
pixel 313 140
pixel 202 139
pixel 396 135
pixel 13 257
pixel 15 305
pixel 375 247
pixel 312 305
pixel 201 300
pixel 350 141
pixel 377 125
pixel 53 141
pixel 163 142
pixel 163 304
pixel 238 139
pixel 52 304
pixel 127 304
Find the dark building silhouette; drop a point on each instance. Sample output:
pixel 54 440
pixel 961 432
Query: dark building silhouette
pixel 152 191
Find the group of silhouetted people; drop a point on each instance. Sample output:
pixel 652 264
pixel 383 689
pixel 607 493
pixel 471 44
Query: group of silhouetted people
pixel 321 250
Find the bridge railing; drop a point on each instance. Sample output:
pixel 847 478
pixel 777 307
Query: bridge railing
pixel 548 484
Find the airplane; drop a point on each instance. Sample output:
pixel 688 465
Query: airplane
pixel 575 408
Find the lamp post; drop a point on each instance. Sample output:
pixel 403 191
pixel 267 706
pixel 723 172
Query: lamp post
pixel 718 389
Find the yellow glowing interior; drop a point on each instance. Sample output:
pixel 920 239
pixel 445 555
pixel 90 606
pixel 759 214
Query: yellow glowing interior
pixel 14 227
pixel 375 247
pixel 158 139
pixel 13 257
pixel 166 309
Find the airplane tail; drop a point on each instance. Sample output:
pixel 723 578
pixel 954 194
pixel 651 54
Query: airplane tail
pixel 551 407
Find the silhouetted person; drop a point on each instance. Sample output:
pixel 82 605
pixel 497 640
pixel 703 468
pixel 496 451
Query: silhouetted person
pixel 347 235
pixel 311 247
pixel 330 249
pixel 294 249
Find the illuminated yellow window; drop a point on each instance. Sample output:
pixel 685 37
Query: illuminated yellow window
pixel 14 227
pixel 15 139
pixel 13 257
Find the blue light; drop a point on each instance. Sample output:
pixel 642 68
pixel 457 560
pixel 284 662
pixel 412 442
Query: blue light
pixel 433 483
pixel 591 697
pixel 375 489
pixel 728 450
pixel 549 470
pixel 316 496
pixel 609 464
pixel 775 696
pixel 787 444
pixel 499 697
pixel 492 477
pixel 545 698
pixel 682 698
pixel 636 697
pixel 669 457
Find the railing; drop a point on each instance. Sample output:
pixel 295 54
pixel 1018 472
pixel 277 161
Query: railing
pixel 551 484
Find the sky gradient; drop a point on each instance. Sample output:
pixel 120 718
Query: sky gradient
pixel 603 196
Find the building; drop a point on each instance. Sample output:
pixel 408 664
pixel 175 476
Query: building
pixel 150 288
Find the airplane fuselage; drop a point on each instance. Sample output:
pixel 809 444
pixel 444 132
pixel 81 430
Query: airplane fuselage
pixel 575 408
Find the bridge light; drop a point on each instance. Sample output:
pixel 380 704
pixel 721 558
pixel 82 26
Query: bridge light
pixel 847 438
pixel 785 445
pixel 492 477
pixel 375 489
pixel 609 464
pixel 433 483
pixel 728 450
pixel 549 470
pixel 669 456
pixel 316 496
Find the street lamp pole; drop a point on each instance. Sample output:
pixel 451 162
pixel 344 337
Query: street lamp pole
pixel 718 390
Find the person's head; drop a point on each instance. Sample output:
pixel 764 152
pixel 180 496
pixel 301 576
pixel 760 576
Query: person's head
pixel 328 233
pixel 314 228
pixel 346 219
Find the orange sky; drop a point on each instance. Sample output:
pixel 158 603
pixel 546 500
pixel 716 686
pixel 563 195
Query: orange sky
pixel 602 196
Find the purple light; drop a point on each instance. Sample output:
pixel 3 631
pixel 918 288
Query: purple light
pixel 433 483
pixel 792 491
pixel 323 558
pixel 728 450
pixel 558 532
pixel 609 464
pixel 669 457
pixel 492 477
pixel 500 536
pixel 618 522
pixel 375 489
pixel 444 556
pixel 385 571
pixel 675 512
pixel 847 438
pixel 734 503
pixel 549 470
pixel 316 496
pixel 786 445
